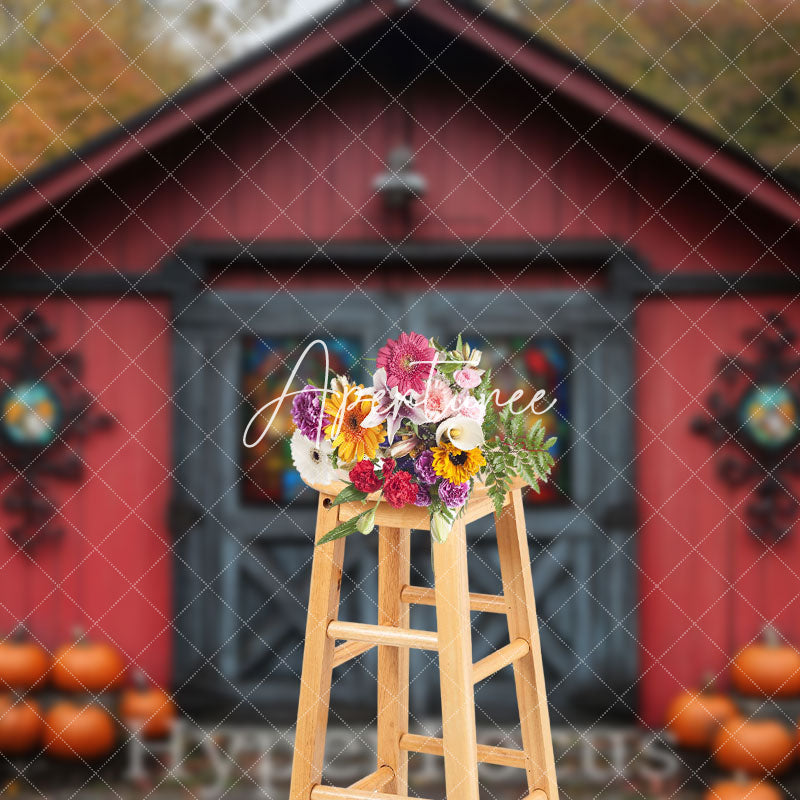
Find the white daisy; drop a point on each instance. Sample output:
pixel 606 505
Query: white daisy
pixel 312 462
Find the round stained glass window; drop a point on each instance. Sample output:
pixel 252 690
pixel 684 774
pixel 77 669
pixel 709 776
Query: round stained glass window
pixel 31 414
pixel 769 415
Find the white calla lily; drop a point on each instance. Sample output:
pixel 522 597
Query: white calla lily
pixel 462 432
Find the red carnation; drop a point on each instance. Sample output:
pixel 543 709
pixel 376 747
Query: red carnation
pixel 364 478
pixel 388 467
pixel 399 490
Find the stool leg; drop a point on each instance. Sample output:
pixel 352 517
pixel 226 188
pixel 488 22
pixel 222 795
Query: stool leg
pixel 512 543
pixel 315 683
pixel 455 665
pixel 394 572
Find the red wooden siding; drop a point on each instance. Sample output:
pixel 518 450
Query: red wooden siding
pixel 110 572
pixel 707 586
pixel 278 170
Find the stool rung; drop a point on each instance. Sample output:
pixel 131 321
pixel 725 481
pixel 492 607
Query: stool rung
pixel 487 754
pixel 506 655
pixel 422 596
pixel 346 651
pixel 375 781
pixel 383 635
pixel 320 792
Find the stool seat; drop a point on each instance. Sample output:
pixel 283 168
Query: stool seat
pixel 394 637
pixel 479 505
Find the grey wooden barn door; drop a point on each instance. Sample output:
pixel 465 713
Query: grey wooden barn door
pixel 577 346
pixel 243 559
pixel 242 567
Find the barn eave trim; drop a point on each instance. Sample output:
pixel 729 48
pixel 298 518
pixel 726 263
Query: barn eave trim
pixel 190 270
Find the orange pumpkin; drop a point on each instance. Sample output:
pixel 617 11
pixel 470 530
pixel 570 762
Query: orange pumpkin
pixel 87 666
pixel 78 732
pixel 21 725
pixel 742 788
pixel 755 746
pixel 693 717
pixel 148 709
pixel 23 664
pixel 769 668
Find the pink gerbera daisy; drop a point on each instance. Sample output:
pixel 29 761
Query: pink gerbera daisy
pixel 404 361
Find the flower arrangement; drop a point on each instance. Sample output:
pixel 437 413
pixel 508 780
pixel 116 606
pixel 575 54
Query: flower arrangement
pixel 427 429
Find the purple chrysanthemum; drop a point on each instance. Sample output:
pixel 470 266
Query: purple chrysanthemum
pixel 423 496
pixel 453 495
pixel 306 411
pixel 423 466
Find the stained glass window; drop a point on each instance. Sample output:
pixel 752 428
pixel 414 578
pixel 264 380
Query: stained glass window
pixel 541 363
pixel 266 365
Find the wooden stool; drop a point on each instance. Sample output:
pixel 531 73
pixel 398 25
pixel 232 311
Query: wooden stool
pixel 393 637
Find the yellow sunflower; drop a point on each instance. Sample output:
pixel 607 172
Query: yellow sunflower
pixel 345 431
pixel 457 466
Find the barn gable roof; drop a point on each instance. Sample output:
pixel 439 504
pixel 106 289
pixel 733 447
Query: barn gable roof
pixel 462 19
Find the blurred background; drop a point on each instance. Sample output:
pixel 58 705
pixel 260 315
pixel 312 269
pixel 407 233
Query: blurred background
pixel 598 195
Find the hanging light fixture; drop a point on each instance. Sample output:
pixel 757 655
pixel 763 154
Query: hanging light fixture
pixel 400 184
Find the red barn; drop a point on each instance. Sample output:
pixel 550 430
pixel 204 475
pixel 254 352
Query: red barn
pixel 588 241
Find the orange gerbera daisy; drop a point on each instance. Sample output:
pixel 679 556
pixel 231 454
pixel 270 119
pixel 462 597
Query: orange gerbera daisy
pixel 347 410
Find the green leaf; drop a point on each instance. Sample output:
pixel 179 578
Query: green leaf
pixel 491 422
pixel 536 435
pixel 550 442
pixel 348 494
pixel 345 529
pixel 447 369
pixel 485 386
pixel 498 495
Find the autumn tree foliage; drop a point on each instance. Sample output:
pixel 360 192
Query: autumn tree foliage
pixel 730 66
pixel 70 69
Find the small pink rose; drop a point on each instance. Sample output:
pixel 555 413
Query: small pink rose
pixel 467 378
